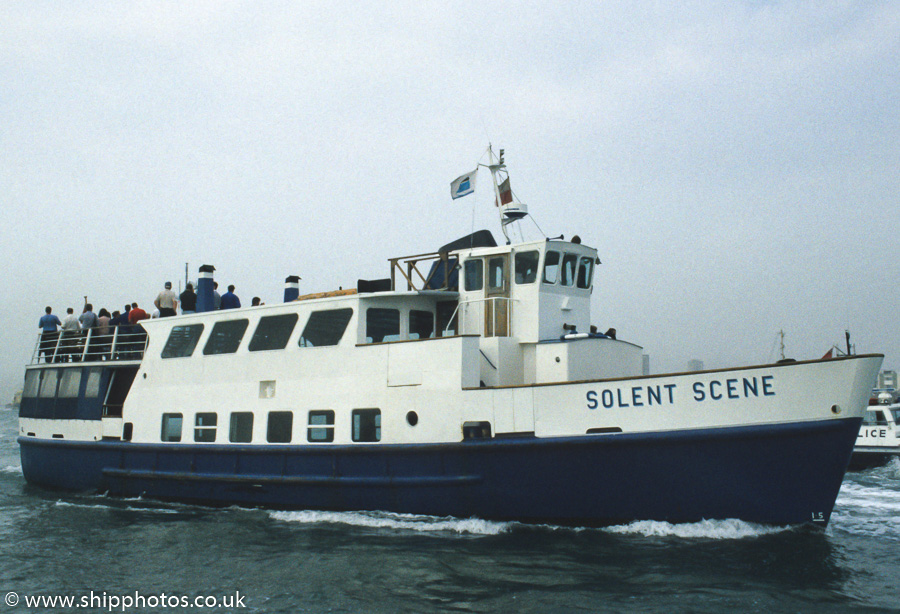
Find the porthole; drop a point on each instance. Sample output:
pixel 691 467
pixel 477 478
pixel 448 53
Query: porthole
pixel 412 418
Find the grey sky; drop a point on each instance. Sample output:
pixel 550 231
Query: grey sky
pixel 735 163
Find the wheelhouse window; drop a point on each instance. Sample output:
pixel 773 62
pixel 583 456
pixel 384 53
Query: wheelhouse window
pixel 551 267
pixel 241 428
pixel 321 426
pixel 421 324
pixel 69 383
pixel 382 324
pixel 171 427
pixel 273 332
pixel 366 425
pixel 568 269
pixel 585 272
pixel 32 384
pixel 473 272
pixel 225 337
pixel 496 273
pixel 526 266
pixel 92 388
pixel 48 384
pixel 205 427
pixel 325 327
pixel 182 341
pixel 280 427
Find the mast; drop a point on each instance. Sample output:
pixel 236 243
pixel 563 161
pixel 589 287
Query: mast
pixel 512 210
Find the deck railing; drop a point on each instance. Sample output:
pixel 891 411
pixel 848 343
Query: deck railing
pixel 123 342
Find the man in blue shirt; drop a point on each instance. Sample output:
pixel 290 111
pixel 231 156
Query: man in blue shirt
pixel 49 324
pixel 230 299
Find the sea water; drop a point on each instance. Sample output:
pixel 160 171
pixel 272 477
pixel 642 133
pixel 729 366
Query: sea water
pixel 134 555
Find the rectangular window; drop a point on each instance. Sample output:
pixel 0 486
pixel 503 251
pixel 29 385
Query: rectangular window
pixel 171 427
pixel 585 270
pixel 273 332
pixel 32 384
pixel 241 430
pixel 382 324
pixel 446 317
pixel 325 327
pixel 48 384
pixel 69 383
pixel 551 267
pixel 205 427
pixel 225 337
pixel 321 426
pixel 182 341
pixel 366 424
pixel 526 267
pixel 280 427
pixel 496 274
pixel 92 389
pixel 421 324
pixel 568 269
pixel 474 274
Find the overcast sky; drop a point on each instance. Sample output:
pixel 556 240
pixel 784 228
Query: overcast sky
pixel 736 164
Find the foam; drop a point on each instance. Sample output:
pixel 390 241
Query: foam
pixel 705 529
pixel 388 520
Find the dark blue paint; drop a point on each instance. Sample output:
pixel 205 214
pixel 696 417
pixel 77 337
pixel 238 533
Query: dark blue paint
pixel 778 474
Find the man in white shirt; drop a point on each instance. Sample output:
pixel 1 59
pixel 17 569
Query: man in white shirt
pixel 166 301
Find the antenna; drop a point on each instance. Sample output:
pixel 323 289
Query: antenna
pixel 509 209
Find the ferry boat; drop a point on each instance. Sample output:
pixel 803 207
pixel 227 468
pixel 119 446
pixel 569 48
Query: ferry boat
pixel 879 437
pixel 469 383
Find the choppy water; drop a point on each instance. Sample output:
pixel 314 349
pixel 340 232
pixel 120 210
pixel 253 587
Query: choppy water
pixel 52 544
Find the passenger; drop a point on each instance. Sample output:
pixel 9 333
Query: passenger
pixel 256 302
pixel 217 300
pixel 88 321
pixel 70 331
pixel 611 333
pixel 166 302
pixel 49 324
pixel 188 300
pixel 104 336
pixel 136 314
pixel 230 299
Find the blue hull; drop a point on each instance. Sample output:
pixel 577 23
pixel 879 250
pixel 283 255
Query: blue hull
pixel 781 474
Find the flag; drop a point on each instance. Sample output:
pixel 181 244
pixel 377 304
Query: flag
pixel 828 354
pixel 505 193
pixel 463 185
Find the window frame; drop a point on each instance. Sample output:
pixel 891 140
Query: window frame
pixel 174 417
pixel 326 427
pixel 216 346
pixel 235 429
pixel 329 318
pixel 357 426
pixel 279 413
pixel 272 340
pixel 189 341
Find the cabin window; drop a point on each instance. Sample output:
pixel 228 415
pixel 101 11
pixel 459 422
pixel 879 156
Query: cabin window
pixel 526 267
pixel 182 341
pixel 382 324
pixel 551 267
pixel 92 389
pixel 366 424
pixel 32 384
pixel 496 273
pixel 171 427
pixel 421 324
pixel 273 332
pixel 321 426
pixel 225 337
pixel 585 268
pixel 241 428
pixel 69 383
pixel 568 269
pixel 48 384
pixel 205 427
pixel 325 327
pixel 280 427
pixel 474 274
pixel 875 417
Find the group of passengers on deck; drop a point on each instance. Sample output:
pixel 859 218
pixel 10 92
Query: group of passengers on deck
pixel 91 336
